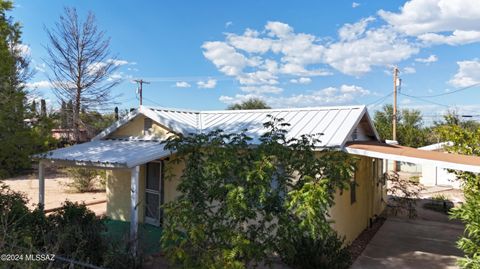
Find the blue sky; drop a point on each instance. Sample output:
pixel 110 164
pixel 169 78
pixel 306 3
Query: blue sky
pixel 209 54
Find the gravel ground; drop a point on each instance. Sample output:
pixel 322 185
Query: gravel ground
pixel 56 191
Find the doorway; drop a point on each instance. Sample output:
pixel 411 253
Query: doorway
pixel 153 193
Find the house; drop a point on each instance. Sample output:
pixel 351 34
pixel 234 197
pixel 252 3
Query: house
pixel 132 149
pixel 430 174
pixel 435 176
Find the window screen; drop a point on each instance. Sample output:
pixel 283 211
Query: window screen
pixel 353 189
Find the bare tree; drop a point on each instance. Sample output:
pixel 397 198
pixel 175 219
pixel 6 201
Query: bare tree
pixel 81 64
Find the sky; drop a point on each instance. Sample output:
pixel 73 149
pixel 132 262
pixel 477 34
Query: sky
pixel 207 55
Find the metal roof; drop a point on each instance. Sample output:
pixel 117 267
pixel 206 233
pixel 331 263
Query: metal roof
pixel 108 153
pixel 335 123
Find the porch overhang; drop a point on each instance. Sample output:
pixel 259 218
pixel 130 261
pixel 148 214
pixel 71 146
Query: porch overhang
pixel 107 154
pixel 413 155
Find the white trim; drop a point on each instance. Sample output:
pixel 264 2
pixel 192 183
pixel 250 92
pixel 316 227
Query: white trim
pixel 41 183
pixel 387 156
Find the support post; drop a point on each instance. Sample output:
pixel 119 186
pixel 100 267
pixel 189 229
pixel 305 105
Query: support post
pixel 134 208
pixel 41 184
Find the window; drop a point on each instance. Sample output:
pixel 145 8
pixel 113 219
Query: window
pixel 147 125
pixel 353 189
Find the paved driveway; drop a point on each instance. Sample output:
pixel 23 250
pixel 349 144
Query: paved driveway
pixel 403 243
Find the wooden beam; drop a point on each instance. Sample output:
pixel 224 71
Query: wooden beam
pixel 41 184
pixel 134 195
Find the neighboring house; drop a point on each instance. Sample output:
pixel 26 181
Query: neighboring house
pixel 68 136
pixel 131 148
pixel 433 175
pixel 429 174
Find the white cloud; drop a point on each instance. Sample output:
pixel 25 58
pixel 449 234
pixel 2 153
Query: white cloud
pixel 182 84
pixel 42 84
pixel 225 57
pixel 23 50
pixel 209 84
pixel 468 73
pixel 375 47
pixel 263 89
pixel 249 41
pixel 228 24
pixel 327 96
pixel 438 21
pixel 458 37
pixel 117 62
pixel 353 31
pixel 302 80
pixel 355 4
pixel 409 70
pixel 430 59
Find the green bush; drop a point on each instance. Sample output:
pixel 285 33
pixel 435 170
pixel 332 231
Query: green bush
pixel 76 233
pixel 307 252
pixel 73 232
pixel 86 180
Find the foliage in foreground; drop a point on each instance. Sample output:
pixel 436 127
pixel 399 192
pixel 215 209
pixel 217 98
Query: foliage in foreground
pixel 467 141
pixel 241 203
pixel 73 232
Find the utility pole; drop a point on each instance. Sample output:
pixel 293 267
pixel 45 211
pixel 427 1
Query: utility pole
pixel 394 120
pixel 140 88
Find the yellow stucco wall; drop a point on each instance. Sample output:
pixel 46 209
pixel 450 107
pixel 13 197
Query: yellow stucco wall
pixel 135 129
pixel 118 190
pixel 350 219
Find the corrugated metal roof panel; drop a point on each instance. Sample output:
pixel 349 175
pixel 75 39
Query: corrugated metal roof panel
pixel 109 153
pixel 336 123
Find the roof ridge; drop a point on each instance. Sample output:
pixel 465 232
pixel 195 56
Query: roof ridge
pixel 255 110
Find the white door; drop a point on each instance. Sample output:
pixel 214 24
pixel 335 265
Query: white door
pixel 153 193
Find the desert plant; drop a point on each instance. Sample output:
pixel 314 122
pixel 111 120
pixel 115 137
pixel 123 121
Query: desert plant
pixel 86 179
pixel 323 252
pixel 403 195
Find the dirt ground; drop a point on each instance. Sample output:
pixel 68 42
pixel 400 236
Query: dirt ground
pixel 56 191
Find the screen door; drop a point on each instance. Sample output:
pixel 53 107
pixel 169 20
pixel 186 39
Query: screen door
pixel 153 192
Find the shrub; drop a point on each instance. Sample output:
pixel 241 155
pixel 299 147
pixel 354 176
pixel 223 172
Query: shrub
pixel 73 232
pixel 238 200
pixel 85 179
pixel 76 233
pixel 403 195
pixel 307 252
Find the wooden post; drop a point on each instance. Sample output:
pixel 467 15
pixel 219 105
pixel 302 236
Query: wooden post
pixel 41 184
pixel 134 209
pixel 394 123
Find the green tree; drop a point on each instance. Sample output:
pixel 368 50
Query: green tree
pixel 410 129
pixel 252 103
pixel 15 140
pixel 240 203
pixel 466 142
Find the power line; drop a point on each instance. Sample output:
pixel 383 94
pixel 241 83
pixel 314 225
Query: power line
pixel 447 93
pixel 380 99
pixel 424 100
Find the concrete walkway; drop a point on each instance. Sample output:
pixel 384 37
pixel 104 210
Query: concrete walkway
pixel 403 243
